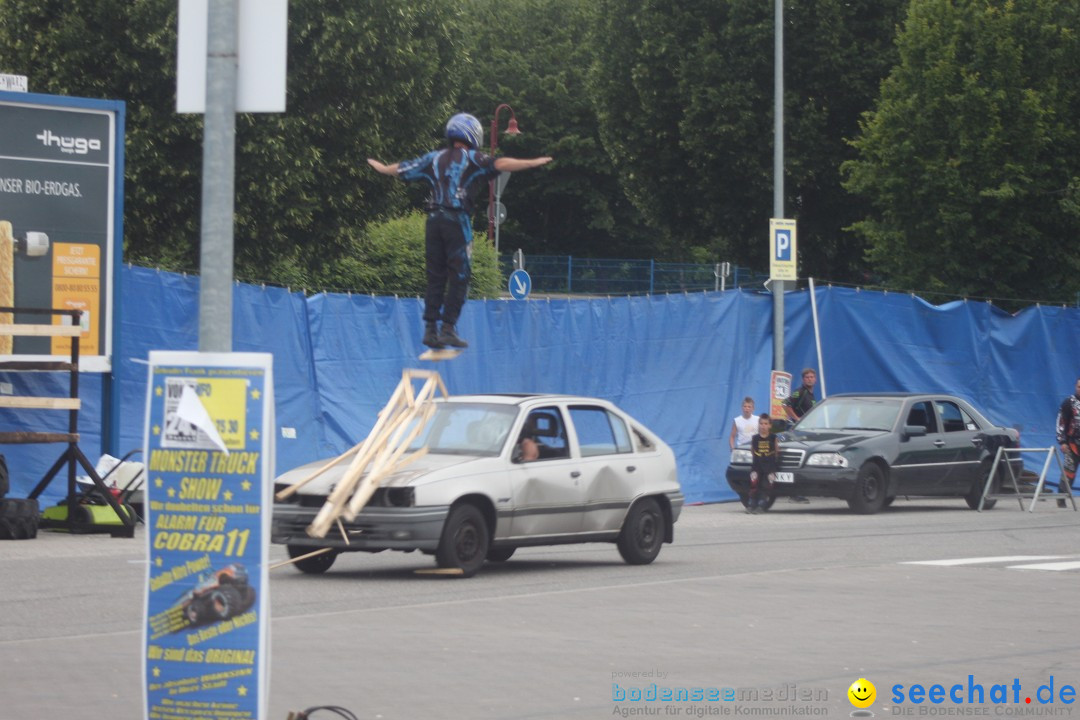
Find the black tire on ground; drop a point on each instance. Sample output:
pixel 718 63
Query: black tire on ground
pixel 314 565
pixel 868 497
pixel 975 494
pixel 18 519
pixel 642 532
pixel 464 541
pixel 769 501
pixel 500 554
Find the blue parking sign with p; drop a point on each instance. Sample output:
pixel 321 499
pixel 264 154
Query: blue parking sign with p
pixel 783 252
pixel 783 245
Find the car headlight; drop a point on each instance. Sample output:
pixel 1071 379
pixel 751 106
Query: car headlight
pixel 827 460
pixel 741 457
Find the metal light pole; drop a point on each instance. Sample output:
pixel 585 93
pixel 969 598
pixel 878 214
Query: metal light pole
pixel 219 143
pixel 778 176
pixel 511 129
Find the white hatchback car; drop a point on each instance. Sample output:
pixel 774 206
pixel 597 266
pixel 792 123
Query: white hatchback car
pixel 591 474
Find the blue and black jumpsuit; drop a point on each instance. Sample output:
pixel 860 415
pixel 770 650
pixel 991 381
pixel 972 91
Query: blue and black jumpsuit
pixel 455 175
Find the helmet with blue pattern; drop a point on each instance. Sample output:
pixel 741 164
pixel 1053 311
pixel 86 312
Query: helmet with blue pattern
pixel 466 128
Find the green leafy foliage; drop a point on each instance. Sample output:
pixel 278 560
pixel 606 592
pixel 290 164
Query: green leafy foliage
pixel 684 97
pixel 389 259
pixel 969 157
pixel 364 80
pixel 534 56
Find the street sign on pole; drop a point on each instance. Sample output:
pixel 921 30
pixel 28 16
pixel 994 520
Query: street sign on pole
pixel 782 255
pixel 520 284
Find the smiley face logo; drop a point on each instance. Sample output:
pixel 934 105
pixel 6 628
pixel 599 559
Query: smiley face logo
pixel 862 693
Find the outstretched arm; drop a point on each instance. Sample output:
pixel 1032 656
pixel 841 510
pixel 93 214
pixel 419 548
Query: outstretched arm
pixel 508 164
pixel 384 169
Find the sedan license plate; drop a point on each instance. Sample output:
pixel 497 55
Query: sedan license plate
pixel 785 477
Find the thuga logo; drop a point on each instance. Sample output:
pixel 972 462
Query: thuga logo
pixel 70 145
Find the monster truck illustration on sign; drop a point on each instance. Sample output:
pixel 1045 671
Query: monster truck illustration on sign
pixel 218 595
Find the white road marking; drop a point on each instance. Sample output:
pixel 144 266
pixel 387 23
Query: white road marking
pixel 1048 566
pixel 978 560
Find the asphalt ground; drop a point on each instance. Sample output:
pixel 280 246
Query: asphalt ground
pixel 781 611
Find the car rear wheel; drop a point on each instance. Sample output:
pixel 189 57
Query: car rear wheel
pixel 975 494
pixel 464 542
pixel 314 565
pixel 869 494
pixel 642 532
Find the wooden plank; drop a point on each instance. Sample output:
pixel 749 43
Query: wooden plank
pixel 39 403
pixel 439 571
pixel 7 281
pixel 27 330
pixel 45 365
pixel 23 438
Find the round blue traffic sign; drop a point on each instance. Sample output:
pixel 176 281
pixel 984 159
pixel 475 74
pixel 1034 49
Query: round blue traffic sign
pixel 520 284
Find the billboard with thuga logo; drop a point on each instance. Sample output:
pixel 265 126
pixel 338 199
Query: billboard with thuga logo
pixel 61 209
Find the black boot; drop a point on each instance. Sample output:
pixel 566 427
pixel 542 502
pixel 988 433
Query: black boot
pixel 449 336
pixel 431 336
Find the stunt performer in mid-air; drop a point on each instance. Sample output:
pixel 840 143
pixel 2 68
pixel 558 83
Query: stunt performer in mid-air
pixel 454 173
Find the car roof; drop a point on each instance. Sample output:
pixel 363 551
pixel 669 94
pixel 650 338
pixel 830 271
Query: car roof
pixel 519 398
pixel 900 395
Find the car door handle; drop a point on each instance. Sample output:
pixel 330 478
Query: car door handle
pixel 939 443
pixel 631 468
pixel 575 474
pixel 977 442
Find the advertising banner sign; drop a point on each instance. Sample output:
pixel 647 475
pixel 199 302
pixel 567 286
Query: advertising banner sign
pixel 209 449
pixel 61 162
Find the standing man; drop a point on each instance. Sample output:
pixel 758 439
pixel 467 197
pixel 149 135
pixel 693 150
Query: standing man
pixel 798 404
pixel 1068 435
pixel 743 426
pixel 454 174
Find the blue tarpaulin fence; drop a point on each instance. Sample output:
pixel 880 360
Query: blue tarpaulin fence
pixel 680 363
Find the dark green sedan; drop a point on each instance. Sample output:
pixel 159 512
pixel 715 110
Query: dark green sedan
pixel 869 449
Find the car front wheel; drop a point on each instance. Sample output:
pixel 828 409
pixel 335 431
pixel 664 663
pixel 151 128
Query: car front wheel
pixel 642 532
pixel 314 565
pixel 869 494
pixel 464 541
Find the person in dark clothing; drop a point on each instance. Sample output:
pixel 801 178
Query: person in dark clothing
pixel 1068 435
pixel 765 453
pixel 454 173
pixel 798 404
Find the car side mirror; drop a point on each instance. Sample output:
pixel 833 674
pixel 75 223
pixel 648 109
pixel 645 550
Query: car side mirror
pixel 914 430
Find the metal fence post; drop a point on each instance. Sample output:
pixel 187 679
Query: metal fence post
pixel 569 274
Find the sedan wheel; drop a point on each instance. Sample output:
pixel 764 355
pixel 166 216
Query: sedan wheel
pixel 642 533
pixel 314 565
pixel 869 494
pixel 464 542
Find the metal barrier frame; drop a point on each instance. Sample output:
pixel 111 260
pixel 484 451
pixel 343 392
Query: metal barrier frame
pixel 1064 491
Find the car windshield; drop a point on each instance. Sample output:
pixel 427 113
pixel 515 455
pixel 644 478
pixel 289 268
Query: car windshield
pixel 467 429
pixel 852 414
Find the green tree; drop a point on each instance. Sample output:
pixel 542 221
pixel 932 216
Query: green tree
pixel 534 55
pixel 388 258
pixel 364 80
pixel 684 97
pixel 971 155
